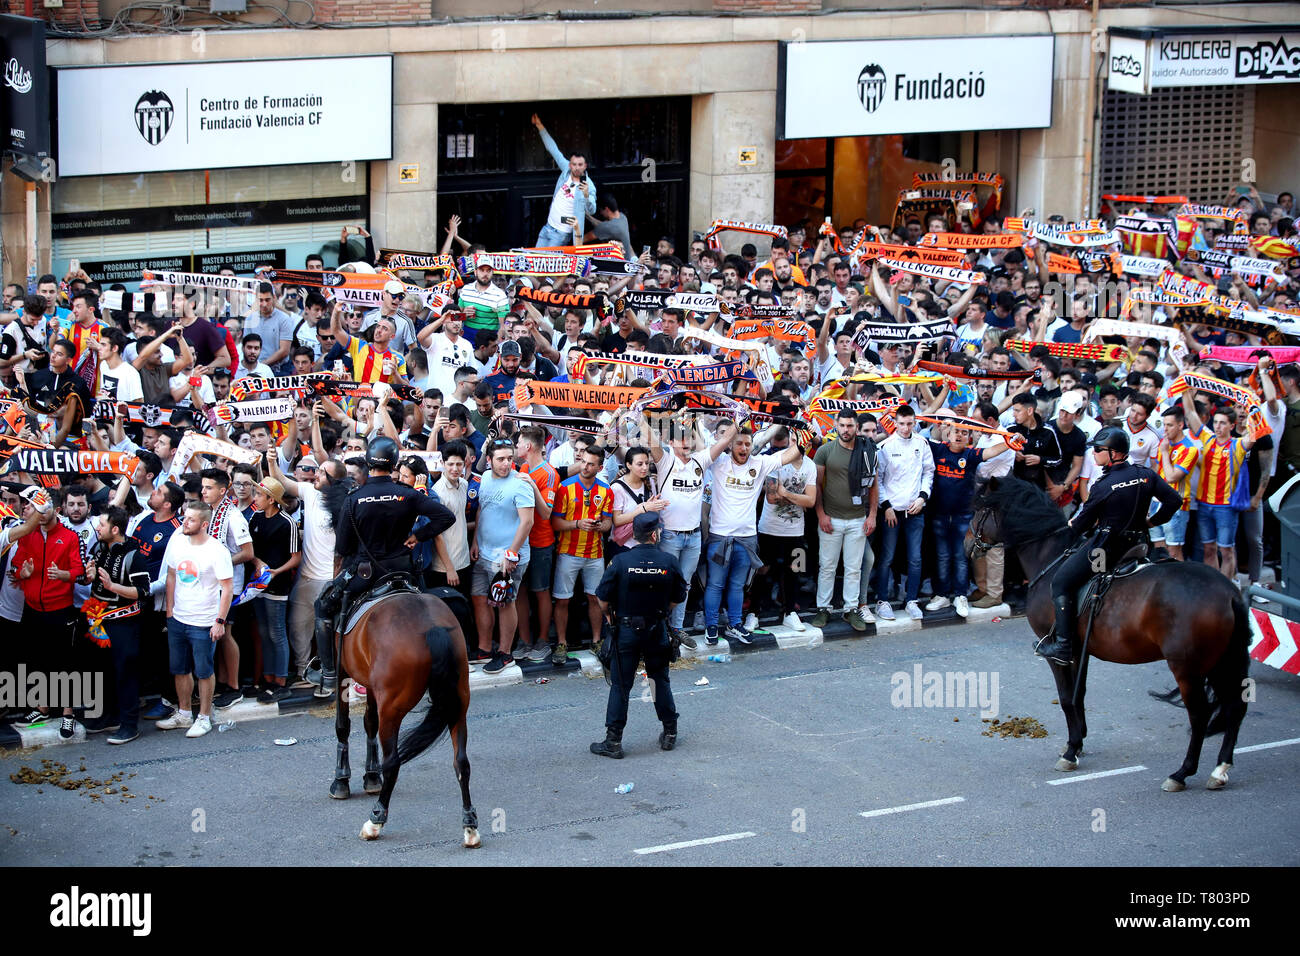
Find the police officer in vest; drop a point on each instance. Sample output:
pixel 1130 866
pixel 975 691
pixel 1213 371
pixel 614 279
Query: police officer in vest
pixel 1118 504
pixel 640 588
pixel 373 535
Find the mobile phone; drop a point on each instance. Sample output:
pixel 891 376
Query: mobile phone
pixel 645 250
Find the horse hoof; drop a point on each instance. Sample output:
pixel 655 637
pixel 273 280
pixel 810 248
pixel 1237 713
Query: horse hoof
pixel 1218 777
pixel 370 831
pixel 1173 786
pixel 472 841
pixel 1078 752
pixel 373 782
pixel 339 790
pixel 1064 765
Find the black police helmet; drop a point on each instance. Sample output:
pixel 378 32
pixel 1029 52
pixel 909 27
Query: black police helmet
pixel 382 453
pixel 1112 437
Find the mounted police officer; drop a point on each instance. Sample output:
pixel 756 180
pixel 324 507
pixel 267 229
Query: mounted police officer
pixel 1118 504
pixel 640 588
pixel 373 538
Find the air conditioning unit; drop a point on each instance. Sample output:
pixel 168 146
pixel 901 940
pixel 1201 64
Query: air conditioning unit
pixel 229 6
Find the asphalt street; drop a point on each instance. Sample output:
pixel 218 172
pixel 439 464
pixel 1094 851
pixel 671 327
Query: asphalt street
pixel 780 756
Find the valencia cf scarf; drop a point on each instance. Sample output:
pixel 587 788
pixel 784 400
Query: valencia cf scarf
pixel 643 299
pixel 588 426
pixel 615 267
pixel 333 388
pixel 241 389
pixel 38 459
pixel 1145 200
pixel 1203 383
pixel 1084 262
pixel 783 330
pixel 745 310
pixel 961 240
pixel 975 374
pixel 1014 441
pixel 426 261
pixel 1231 322
pixel 565 300
pixel 264 410
pixel 610 250
pixel 1077 351
pixel 1082 235
pixel 927 255
pixel 738 225
pixel 718 341
pixel 640 360
pixel 894 332
pixel 192 443
pixel 940 273
pixel 574 394
pixel 993 180
pixel 1226 213
pixel 714 374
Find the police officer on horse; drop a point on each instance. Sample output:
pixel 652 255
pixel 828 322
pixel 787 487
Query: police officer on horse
pixel 373 536
pixel 1118 505
pixel 640 588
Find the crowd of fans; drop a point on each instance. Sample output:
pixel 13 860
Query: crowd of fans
pixel 789 514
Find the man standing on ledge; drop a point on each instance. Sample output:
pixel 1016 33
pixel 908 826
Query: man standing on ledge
pixel 574 199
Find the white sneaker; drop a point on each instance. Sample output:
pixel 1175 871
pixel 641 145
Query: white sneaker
pixel 961 605
pixel 867 616
pixel 792 621
pixel 938 602
pixel 751 622
pixel 202 724
pixel 913 610
pixel 885 611
pixel 176 721
pixel 356 693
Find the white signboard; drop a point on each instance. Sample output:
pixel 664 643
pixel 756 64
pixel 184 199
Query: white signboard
pixel 1213 59
pixel 882 87
pixel 133 119
pixel 1129 65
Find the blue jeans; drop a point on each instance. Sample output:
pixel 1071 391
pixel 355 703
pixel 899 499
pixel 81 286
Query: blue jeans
pixel 912 526
pixel 553 237
pixel 189 649
pixel 949 546
pixel 731 576
pixel 275 638
pixel 684 548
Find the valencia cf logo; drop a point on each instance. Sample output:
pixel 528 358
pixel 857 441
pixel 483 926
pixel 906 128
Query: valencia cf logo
pixel 699 472
pixel 871 86
pixel 753 472
pixel 153 116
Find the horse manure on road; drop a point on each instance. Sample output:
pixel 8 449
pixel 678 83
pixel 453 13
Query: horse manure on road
pixel 1014 727
pixel 58 774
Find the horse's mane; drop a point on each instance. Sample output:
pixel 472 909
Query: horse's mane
pixel 1025 513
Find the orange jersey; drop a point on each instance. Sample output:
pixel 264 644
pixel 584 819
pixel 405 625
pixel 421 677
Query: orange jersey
pixel 1220 466
pixel 1182 456
pixel 547 480
pixel 368 362
pixel 575 501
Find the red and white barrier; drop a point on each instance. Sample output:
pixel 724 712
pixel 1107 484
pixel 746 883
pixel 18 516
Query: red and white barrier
pixel 1275 641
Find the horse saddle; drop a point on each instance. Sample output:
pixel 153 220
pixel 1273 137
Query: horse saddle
pixel 1094 591
pixel 396 582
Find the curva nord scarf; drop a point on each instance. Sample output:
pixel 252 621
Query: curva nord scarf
pixel 199 280
pixel 536 265
pixel 1078 234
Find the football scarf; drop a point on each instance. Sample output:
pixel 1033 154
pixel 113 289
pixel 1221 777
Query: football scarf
pixel 1014 441
pixel 588 426
pixel 535 265
pixel 610 250
pixel 718 341
pixel 894 332
pixel 333 388
pixel 97 612
pixel 333 280
pixel 565 300
pixel 888 378
pixel 1145 200
pixel 153 416
pixel 783 330
pixel 575 394
pixel 12 417
pixel 700 375
pixel 961 240
pixel 200 280
pixel 738 225
pixel 1072 350
pixel 975 374
pixel 1144 226
pixel 426 261
pixel 643 299
pixel 827 231
pixel 1232 242
pixel 745 310
pixel 1233 393
pixel 927 255
pixel 192 443
pixel 1083 235
pixel 1247 356
pixel 823 411
pixel 1273 247
pixel 738 407
pixel 1178 350
pixel 265 410
pixel 693 301
pixel 241 389
pixel 1143 266
pixel 642 360
pixel 616 267
pixel 993 180
pixel 1235 323
pixel 39 459
pixel 1227 213
pixel 1084 261
pixel 940 273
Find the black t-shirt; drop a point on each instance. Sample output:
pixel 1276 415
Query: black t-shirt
pixel 1073 444
pixel 52 389
pixel 275 540
pixel 613 343
pixel 953 491
pixel 205 340
pixel 1265 443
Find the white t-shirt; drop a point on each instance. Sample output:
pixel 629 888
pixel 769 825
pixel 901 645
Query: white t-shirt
pixel 128 381
pixel 318 534
pixel 455 537
pixel 236 537
pixel 445 358
pixel 681 484
pixel 1277 423
pixel 11 592
pixel 735 489
pixel 1142 444
pixel 562 455
pixel 200 569
pixel 205 387
pixel 785 518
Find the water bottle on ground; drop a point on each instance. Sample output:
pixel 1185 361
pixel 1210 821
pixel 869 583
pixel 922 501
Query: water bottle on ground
pixel 624 788
pixel 720 658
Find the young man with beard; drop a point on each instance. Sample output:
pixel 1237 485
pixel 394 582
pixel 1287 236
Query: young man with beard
pixel 446 350
pixel 120 588
pixel 482 303
pixel 506 509
pixel 199 592
pixel 152 530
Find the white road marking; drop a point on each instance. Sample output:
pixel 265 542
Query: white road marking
pixel 725 838
pixel 1276 743
pixel 1095 776
pixel 911 806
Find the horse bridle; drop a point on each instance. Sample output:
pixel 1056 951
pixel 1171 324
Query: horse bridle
pixel 980 546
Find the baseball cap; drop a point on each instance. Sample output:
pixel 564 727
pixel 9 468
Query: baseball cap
pixel 1073 403
pixel 393 287
pixel 511 347
pixel 524 281
pixel 483 259
pixel 644 524
pixel 708 288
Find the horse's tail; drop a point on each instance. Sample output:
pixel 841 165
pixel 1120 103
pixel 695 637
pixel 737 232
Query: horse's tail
pixel 1238 650
pixel 444 697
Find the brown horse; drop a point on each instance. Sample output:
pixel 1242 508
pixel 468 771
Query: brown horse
pixel 1187 614
pixel 404 647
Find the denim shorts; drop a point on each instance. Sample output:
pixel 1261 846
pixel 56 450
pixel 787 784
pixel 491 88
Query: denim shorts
pixel 189 649
pixel 1174 531
pixel 567 569
pixel 541 567
pixel 1218 524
